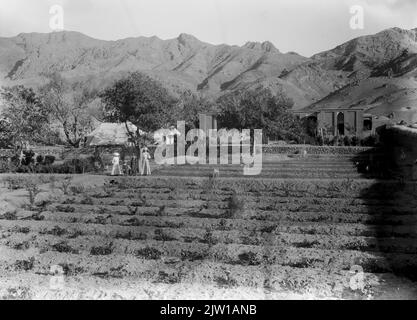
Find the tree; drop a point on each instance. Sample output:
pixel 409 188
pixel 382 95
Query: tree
pixel 68 104
pixel 142 101
pixel 260 109
pixel 25 119
pixel 189 106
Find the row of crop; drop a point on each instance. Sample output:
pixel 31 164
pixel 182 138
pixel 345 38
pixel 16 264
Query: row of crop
pixel 235 254
pixel 315 150
pixel 276 278
pixel 224 202
pixel 265 197
pixel 275 174
pixel 292 187
pixel 255 227
pixel 266 237
pixel 146 216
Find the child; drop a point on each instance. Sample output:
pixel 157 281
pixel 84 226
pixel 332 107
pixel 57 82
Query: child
pixel 126 168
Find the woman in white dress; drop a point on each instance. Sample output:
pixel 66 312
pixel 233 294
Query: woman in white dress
pixel 144 166
pixel 116 170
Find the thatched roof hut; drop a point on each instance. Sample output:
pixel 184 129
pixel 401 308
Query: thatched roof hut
pixel 111 134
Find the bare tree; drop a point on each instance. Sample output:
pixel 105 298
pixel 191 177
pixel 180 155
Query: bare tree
pixel 68 106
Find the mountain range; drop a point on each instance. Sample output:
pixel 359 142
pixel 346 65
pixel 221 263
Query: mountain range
pixel 377 71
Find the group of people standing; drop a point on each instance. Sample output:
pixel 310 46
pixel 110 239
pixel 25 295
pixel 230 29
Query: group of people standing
pixel 123 168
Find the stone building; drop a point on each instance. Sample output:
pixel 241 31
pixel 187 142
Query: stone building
pixel 207 121
pixel 352 121
pixel 341 122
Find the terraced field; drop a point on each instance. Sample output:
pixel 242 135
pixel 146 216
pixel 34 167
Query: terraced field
pixel 304 228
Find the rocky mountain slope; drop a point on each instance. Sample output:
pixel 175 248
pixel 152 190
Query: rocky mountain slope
pixel 382 70
pixel 213 70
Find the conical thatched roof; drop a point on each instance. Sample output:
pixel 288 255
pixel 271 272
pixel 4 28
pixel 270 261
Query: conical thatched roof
pixel 111 134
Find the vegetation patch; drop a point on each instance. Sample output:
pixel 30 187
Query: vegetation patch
pixel 248 258
pixel 67 209
pixel 102 250
pixel 306 244
pixel 149 253
pixel 193 255
pixel 64 247
pixel 24 265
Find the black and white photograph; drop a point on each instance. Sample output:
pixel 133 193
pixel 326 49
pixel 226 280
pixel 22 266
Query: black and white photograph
pixel 209 150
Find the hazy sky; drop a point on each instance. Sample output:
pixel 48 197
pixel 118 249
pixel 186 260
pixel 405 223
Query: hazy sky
pixel 304 26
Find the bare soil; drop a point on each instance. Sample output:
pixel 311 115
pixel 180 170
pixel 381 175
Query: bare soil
pixel 182 235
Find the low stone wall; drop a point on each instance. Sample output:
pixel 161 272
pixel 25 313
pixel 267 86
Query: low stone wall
pixel 316 150
pixel 401 149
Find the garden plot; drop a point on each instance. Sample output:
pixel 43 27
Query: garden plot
pixel 178 236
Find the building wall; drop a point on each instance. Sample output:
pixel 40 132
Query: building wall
pixel 350 122
pixel 207 122
pixel 326 120
pixel 353 121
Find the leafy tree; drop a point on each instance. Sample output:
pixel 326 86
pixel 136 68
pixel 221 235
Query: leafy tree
pixel 142 101
pixel 25 119
pixel 68 105
pixel 189 106
pixel 260 109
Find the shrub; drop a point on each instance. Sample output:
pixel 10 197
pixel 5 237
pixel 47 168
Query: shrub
pixel 78 189
pixel 57 231
pixel 347 141
pixel 354 141
pixel 160 235
pixel 64 247
pixel 49 160
pixel 80 165
pixel 193 255
pixel 40 159
pixel 67 209
pixel 102 251
pixel 22 246
pixel 64 184
pixel 149 253
pixel 28 157
pixel 24 230
pixel 33 190
pixel 248 258
pixel 25 265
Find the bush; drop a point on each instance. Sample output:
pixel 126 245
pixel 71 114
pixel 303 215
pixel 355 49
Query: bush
pixel 40 159
pixel 347 141
pixel 49 160
pixel 28 157
pixel 79 165
pixel 33 190
pixel 355 141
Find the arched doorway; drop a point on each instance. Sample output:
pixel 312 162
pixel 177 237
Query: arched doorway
pixel 341 124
